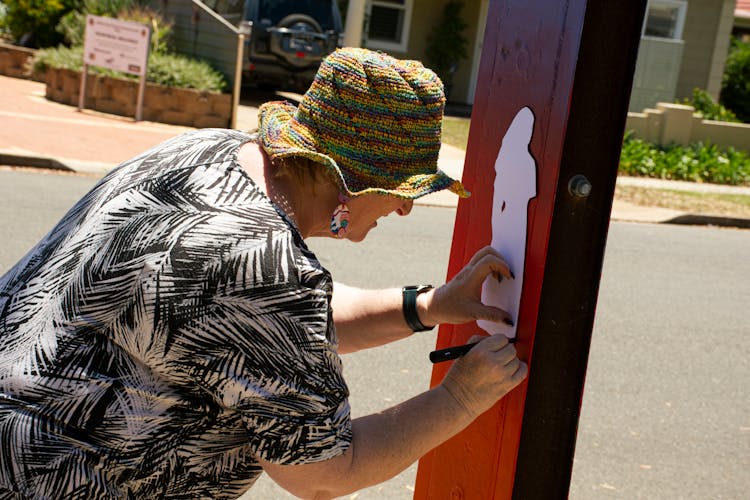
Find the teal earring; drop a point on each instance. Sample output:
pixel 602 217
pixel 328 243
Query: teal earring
pixel 340 218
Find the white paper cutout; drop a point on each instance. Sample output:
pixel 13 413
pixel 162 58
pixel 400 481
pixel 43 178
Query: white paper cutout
pixel 515 185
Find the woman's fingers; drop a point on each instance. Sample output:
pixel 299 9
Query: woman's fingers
pixel 505 351
pixel 486 253
pixel 477 338
pixel 485 374
pixel 498 346
pixel 490 263
pixel 459 300
pixel 493 314
pixel 520 374
pixel 488 250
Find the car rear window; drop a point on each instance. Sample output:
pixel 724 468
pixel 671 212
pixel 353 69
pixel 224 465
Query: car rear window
pixel 276 10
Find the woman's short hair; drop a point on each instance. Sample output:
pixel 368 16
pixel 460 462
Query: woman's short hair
pixel 303 170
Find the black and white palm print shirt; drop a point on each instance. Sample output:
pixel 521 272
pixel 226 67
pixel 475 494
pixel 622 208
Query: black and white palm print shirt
pixel 170 329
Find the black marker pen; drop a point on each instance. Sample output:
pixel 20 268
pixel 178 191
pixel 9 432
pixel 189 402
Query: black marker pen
pixel 455 352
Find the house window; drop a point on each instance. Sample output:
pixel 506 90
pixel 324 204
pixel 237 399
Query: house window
pixel 388 24
pixel 665 19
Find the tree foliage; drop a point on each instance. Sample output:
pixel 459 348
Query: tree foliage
pixel 32 22
pixel 73 24
pixel 708 108
pixel 735 88
pixel 173 70
pixel 446 43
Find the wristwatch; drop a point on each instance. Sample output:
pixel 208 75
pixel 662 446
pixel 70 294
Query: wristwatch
pixel 409 294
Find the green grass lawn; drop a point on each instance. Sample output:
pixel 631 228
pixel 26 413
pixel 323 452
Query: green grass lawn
pixel 697 162
pixel 456 131
pixel 734 205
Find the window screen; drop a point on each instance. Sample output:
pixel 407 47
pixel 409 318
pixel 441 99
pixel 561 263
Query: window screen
pixel 664 20
pixel 386 21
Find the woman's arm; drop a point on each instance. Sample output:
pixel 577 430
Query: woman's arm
pixel 369 318
pixel 386 443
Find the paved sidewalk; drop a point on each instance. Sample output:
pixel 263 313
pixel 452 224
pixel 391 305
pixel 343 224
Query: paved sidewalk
pixel 87 141
pixel 40 133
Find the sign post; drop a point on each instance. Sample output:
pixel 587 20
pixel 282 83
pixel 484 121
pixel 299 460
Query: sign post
pixel 544 144
pixel 117 45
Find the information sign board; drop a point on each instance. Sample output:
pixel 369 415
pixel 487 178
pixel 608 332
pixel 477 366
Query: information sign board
pixel 115 44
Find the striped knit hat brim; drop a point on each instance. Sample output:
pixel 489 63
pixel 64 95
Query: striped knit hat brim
pixel 372 120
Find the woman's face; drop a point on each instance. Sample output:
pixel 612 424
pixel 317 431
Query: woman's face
pixel 365 210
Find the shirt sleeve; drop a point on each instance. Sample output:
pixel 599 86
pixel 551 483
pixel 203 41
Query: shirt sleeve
pixel 291 394
pixel 267 350
pixel 296 401
pixel 242 322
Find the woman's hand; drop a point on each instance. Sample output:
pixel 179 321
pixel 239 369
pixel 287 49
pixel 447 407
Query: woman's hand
pixel 460 300
pixel 489 371
pixel 387 442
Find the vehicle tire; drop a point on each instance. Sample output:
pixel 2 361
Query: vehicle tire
pixel 300 18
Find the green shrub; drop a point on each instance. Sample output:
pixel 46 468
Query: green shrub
pixel 32 22
pixel 446 43
pixel 161 29
pixel 708 108
pixel 58 57
pixel 4 33
pixel 735 86
pixel 164 69
pixel 180 71
pixel 72 25
pixel 697 163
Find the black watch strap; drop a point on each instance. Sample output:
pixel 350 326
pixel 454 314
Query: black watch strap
pixel 409 294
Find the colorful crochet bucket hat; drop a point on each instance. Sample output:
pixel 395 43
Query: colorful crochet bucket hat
pixel 373 120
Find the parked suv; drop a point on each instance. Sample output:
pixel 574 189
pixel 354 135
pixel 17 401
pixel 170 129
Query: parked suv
pixel 287 40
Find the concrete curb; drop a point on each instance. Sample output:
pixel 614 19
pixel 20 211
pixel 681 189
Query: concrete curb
pixel 20 159
pixel 93 143
pixel 621 211
pixel 16 160
pixel 710 220
pixel 628 211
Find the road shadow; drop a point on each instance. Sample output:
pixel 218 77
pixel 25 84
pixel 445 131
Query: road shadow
pixel 458 110
pixel 254 97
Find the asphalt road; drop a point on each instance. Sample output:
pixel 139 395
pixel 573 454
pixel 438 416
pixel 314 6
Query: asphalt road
pixel 666 411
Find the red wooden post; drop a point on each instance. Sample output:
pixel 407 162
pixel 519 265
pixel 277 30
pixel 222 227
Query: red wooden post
pixel 571 63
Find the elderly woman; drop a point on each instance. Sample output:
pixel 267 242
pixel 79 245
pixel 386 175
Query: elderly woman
pixel 174 336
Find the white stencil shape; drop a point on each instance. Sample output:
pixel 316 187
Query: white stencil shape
pixel 515 185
